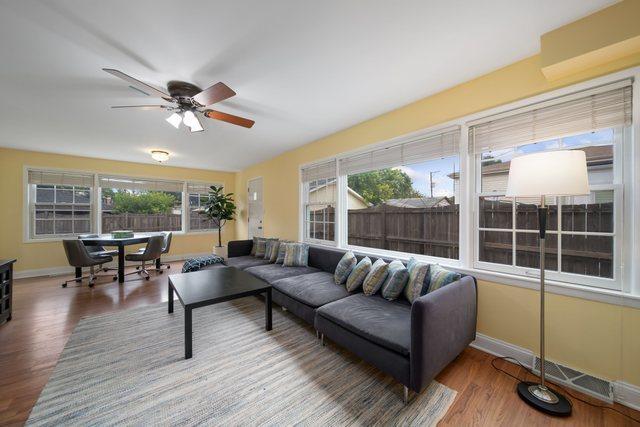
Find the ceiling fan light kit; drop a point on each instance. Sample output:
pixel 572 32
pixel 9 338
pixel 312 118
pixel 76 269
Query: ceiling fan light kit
pixel 159 156
pixel 187 99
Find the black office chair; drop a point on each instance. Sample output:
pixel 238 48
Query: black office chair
pixel 151 252
pixel 78 256
pixel 98 251
pixel 165 249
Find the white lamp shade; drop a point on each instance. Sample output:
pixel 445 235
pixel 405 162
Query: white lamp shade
pixel 552 173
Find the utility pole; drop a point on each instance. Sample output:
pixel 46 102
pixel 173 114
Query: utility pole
pixel 431 181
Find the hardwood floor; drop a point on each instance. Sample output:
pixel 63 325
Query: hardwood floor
pixel 45 315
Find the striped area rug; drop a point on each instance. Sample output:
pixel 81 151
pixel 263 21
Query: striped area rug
pixel 127 368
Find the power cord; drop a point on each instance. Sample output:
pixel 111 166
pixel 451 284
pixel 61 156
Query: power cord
pixel 516 361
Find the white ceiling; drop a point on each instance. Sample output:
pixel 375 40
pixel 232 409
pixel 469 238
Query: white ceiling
pixel 302 69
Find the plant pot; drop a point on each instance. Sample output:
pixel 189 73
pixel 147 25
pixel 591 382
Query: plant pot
pixel 220 251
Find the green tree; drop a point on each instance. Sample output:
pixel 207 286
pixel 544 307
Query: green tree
pixel 378 186
pixel 153 202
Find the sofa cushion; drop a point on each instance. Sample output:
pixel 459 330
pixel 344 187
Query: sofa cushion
pixel 386 323
pixel 272 272
pixel 246 261
pixel 313 289
pixel 344 267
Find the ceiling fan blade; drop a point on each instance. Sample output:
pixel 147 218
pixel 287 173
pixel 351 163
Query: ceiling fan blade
pixel 145 88
pixel 229 118
pixel 142 107
pixel 216 93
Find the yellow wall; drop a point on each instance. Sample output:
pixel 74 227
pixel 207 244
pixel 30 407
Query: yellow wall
pixel 50 254
pixel 601 339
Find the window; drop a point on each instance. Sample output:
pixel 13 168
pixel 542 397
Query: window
pixel 405 198
pixel 583 232
pixel 60 204
pixel 320 192
pixel 140 205
pixel 198 194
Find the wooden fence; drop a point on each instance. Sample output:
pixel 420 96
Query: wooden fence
pixel 435 231
pixel 141 222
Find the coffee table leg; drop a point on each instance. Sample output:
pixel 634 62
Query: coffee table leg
pixel 267 310
pixel 170 298
pixel 188 334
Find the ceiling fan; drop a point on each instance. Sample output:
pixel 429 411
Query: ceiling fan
pixel 188 101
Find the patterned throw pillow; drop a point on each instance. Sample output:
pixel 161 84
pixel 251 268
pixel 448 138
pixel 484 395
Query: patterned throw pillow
pixel 376 277
pixel 274 251
pixel 261 247
pixel 346 264
pixel 269 248
pixel 296 255
pixel 397 277
pixel 255 245
pixel 282 249
pixel 416 285
pixel 358 274
pixel 441 277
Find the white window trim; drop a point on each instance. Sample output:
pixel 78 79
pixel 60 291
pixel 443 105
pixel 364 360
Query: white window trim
pixel 628 293
pixel 304 188
pixel 186 216
pixel 96 205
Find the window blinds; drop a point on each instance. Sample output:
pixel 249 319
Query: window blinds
pixel 199 188
pixel 435 146
pixel 598 108
pixel 59 178
pixel 139 184
pixel 322 170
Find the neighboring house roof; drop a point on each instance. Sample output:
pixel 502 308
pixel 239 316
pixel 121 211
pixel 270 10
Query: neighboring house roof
pixel 420 202
pixel 598 155
pixel 351 192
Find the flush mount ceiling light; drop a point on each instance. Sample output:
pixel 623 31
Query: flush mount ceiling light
pixel 159 155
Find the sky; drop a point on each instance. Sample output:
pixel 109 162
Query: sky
pixel 419 174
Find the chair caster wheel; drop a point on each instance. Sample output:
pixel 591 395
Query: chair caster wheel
pixel 105 269
pixel 91 285
pixel 168 266
pixel 115 277
pixel 64 285
pixel 147 278
pixel 160 272
pixel 137 267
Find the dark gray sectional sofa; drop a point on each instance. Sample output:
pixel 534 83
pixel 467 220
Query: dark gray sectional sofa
pixel 410 342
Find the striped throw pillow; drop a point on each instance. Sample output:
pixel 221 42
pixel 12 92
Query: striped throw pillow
pixel 416 285
pixel 273 256
pixel 261 247
pixel 376 277
pixel 282 250
pixel 269 248
pixel 441 277
pixel 358 274
pixel 344 267
pixel 255 245
pixel 397 277
pixel 296 255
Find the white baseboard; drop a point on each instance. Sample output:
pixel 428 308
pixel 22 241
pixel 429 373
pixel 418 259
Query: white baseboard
pixel 623 393
pixel 67 270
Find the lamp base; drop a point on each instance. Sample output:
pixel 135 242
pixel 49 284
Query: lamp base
pixel 543 399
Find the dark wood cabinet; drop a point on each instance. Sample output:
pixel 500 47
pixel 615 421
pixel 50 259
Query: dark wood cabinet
pixel 6 289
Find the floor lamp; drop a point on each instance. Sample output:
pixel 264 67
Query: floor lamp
pixel 553 173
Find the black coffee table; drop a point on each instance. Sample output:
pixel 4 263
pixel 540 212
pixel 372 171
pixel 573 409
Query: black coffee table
pixel 207 287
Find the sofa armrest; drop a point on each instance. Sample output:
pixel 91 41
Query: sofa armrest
pixel 237 248
pixel 443 323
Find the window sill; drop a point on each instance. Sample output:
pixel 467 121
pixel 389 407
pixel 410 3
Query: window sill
pixel 61 238
pixel 560 288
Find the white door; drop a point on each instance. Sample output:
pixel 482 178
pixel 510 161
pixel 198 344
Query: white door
pixel 255 208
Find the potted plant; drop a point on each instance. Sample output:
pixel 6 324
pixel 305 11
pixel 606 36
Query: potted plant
pixel 219 208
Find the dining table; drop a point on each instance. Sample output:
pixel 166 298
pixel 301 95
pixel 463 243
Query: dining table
pixel 109 241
